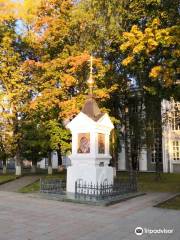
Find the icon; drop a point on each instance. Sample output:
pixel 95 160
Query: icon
pixel 139 231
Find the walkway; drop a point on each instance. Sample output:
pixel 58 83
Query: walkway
pixel 17 184
pixel 25 217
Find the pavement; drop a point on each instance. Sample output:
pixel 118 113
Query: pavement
pixel 17 184
pixel 24 217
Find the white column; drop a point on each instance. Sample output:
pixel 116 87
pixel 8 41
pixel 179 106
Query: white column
pixel 122 159
pixel 143 160
pixel 93 144
pixel 18 170
pixel 165 152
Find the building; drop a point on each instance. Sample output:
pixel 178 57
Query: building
pixel 166 146
pixel 171 136
pixel 43 164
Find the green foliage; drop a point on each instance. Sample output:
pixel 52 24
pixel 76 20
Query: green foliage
pixel 59 137
pixel 34 144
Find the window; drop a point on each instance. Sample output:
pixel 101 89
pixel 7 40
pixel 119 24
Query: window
pixel 101 143
pixel 176 150
pixel 176 116
pixel 46 162
pixel 156 151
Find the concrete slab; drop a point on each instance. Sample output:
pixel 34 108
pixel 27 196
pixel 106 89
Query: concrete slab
pixel 25 217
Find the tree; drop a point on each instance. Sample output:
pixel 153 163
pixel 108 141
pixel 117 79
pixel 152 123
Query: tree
pixel 101 30
pixel 151 52
pixel 59 138
pixel 14 89
pixel 34 143
pixel 57 70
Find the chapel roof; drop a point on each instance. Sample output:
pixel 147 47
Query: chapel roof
pixel 91 109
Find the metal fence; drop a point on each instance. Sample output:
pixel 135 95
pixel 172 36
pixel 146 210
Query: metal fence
pixel 104 190
pixel 52 186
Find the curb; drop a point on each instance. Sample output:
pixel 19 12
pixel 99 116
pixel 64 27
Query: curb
pixel 167 199
pixel 10 180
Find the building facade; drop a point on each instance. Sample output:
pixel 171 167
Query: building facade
pixel 166 147
pixel 171 136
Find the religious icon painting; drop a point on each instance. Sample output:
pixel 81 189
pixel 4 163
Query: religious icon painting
pixel 83 143
pixel 101 143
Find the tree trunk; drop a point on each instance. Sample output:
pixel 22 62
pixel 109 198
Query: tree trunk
pixel 158 170
pixel 60 166
pixel 49 164
pixel 18 164
pixel 34 166
pixel 127 146
pixel 4 167
pixel 114 161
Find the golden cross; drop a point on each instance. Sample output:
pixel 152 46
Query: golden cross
pixel 91 65
pixel 90 80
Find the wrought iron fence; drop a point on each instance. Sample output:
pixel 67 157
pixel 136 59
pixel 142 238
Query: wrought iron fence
pixel 103 190
pixel 52 186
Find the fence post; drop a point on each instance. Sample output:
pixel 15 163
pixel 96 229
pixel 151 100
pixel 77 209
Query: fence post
pixel 75 189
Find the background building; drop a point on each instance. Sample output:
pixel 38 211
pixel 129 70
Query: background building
pixel 166 143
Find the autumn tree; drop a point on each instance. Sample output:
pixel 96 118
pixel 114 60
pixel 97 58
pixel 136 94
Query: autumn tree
pixel 57 69
pixel 151 51
pixel 13 84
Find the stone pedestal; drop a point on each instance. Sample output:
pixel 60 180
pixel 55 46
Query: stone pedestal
pixel 50 170
pixel 18 170
pixel 4 169
pixel 88 175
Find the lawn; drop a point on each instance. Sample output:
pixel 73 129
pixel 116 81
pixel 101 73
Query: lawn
pixel 35 187
pixel 6 178
pixel 173 203
pixel 169 182
pixel 146 182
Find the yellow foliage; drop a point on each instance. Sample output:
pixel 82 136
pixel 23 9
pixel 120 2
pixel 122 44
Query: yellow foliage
pixel 149 32
pixel 127 60
pixel 101 94
pixel 67 81
pixel 152 44
pixel 156 22
pixel 139 48
pixel 155 71
pixel 7 10
pixel 125 46
pixel 27 10
pixel 128 35
pixel 134 29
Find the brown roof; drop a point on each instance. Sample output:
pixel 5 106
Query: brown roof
pixel 91 109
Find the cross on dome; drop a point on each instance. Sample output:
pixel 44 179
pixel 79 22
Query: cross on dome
pixel 91 80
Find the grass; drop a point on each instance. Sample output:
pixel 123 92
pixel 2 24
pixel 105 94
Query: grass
pixel 35 187
pixel 146 182
pixel 173 203
pixel 169 182
pixel 6 178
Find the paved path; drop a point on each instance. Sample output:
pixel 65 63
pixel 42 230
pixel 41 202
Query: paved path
pixel 17 184
pixel 23 217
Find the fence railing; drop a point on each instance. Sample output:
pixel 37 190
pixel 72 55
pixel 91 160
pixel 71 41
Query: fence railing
pixel 103 190
pixel 52 185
